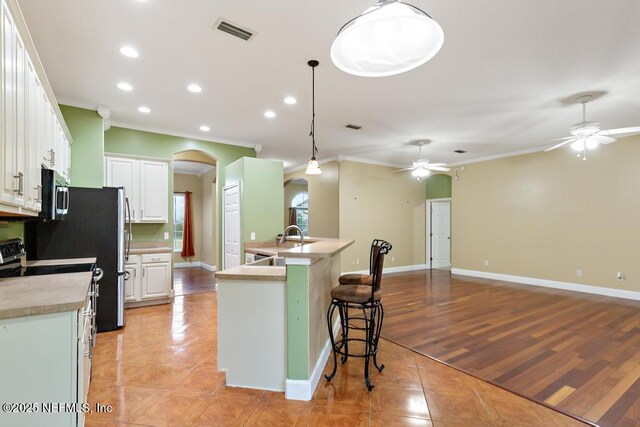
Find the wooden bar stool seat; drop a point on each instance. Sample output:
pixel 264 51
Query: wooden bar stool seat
pixel 363 279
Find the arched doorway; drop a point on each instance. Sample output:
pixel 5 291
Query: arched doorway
pixel 296 204
pixel 194 172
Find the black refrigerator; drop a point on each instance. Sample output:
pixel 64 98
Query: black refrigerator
pixel 97 224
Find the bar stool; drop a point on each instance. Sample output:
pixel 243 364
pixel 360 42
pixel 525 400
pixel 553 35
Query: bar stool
pixel 363 279
pixel 364 298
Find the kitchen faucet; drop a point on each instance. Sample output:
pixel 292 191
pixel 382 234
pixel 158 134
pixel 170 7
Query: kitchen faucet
pixel 295 227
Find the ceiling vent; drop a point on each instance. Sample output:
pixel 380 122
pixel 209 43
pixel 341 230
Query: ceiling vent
pixel 354 127
pixel 460 151
pixel 236 31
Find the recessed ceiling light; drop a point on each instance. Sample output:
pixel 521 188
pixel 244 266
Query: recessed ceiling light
pixel 205 128
pixel 129 51
pixel 144 109
pixel 125 86
pixel 290 100
pixel 269 114
pixel 194 88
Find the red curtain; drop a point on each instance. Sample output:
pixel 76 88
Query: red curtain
pixel 187 233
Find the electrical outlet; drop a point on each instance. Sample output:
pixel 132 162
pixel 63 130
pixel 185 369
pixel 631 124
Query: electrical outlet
pixel 579 272
pixel 486 263
pixel 619 276
pixel 357 261
pixel 166 235
pixel 393 259
pixel 253 235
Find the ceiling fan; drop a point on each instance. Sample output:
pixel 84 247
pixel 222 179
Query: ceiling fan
pixel 421 168
pixel 587 135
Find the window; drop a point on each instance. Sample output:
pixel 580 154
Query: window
pixel 178 221
pixel 301 204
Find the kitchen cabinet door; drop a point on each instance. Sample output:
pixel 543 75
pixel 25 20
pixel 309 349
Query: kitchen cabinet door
pixel 34 184
pixel 153 191
pixel 122 172
pixel 132 283
pixel 156 280
pixel 8 131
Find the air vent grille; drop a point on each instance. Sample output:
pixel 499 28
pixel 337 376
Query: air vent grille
pixel 234 30
pixel 460 151
pixel 354 127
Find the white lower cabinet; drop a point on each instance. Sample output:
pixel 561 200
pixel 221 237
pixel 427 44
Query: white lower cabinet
pixel 148 279
pixel 49 364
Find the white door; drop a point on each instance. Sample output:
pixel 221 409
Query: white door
pixel 155 280
pixel 231 227
pixel 440 234
pixel 131 283
pixel 8 109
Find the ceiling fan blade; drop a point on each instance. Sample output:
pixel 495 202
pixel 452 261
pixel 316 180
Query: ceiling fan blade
pixel 405 169
pixel 438 168
pixel 603 139
pixel 561 144
pixel 437 164
pixel 558 139
pixel 621 131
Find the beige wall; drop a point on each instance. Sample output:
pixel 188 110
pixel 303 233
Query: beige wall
pixel 545 215
pixel 192 183
pixel 323 200
pixel 376 202
pixel 209 232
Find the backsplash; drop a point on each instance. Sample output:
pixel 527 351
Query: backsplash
pixel 11 230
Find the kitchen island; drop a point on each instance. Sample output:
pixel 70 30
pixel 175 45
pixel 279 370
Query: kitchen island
pixel 272 331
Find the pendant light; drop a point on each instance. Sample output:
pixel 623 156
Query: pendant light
pixel 313 168
pixel 388 38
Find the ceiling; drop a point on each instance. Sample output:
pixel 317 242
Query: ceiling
pixel 191 168
pixel 504 81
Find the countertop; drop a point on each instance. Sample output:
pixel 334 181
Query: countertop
pixel 33 295
pixel 63 261
pixel 150 248
pixel 250 272
pixel 324 248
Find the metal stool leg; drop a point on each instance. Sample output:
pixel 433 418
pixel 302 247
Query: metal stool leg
pixel 369 347
pixel 377 338
pixel 345 334
pixel 332 308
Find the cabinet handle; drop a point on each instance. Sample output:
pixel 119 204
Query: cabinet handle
pixel 20 189
pixel 141 214
pixel 135 273
pixel 134 214
pixel 52 157
pixel 39 189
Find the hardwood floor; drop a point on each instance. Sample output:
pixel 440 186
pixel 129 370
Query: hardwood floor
pixel 193 281
pixel 161 370
pixel 577 352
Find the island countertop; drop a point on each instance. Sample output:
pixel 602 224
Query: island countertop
pixel 322 248
pixel 254 272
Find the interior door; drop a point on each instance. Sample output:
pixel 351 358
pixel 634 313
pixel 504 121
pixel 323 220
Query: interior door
pixel 231 226
pixel 440 234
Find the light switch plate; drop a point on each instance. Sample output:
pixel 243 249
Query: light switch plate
pixel 166 235
pixel 253 235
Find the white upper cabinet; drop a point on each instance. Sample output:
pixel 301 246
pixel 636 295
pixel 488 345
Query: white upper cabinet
pixel 146 184
pixel 32 132
pixel 153 191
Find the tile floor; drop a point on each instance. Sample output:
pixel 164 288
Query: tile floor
pixel 161 370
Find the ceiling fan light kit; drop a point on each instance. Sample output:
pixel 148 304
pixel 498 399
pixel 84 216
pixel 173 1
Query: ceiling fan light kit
pixel 388 38
pixel 421 168
pixel 587 135
pixel 313 168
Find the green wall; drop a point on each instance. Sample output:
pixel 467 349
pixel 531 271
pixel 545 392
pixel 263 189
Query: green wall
pixel 147 144
pixel 87 150
pixel 438 187
pixel 11 230
pixel 261 197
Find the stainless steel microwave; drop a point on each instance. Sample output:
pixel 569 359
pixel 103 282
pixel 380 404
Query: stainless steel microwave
pixel 55 196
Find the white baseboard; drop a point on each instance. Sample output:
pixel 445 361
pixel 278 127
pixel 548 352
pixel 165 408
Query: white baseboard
pixel 208 267
pixel 304 389
pixel 597 290
pixel 195 264
pixel 387 270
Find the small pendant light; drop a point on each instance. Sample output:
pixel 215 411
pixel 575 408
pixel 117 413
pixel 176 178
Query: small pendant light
pixel 313 168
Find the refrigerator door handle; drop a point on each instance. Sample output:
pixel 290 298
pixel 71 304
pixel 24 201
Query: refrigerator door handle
pixel 129 234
